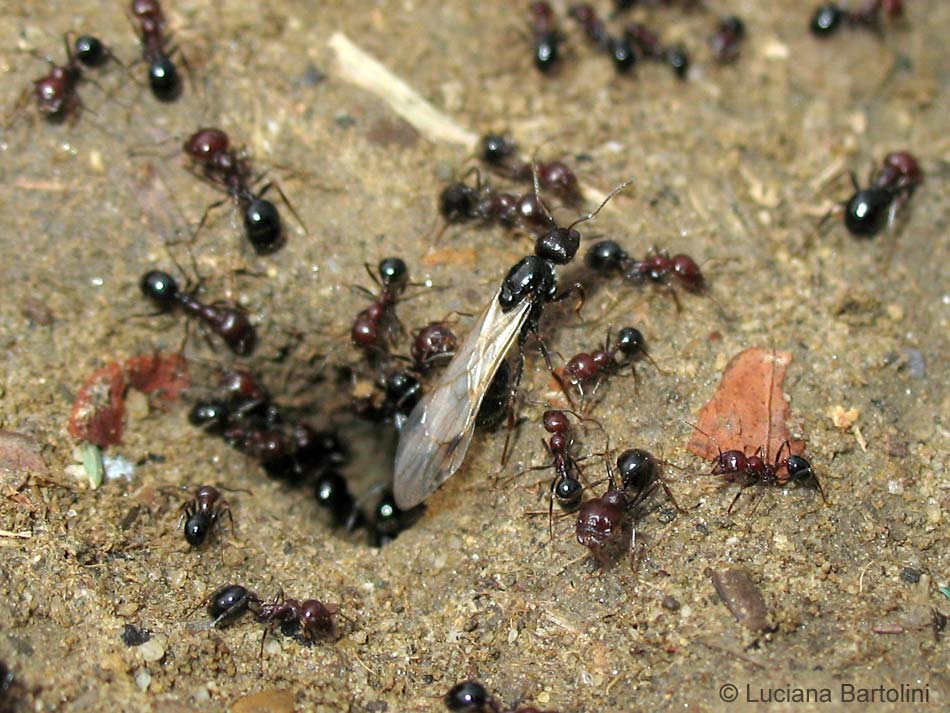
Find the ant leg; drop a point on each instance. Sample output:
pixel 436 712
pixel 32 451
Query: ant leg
pixel 578 289
pixel 550 365
pixel 511 427
pixel 204 218
pixel 286 201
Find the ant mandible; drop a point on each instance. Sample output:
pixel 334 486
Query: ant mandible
pixel 201 514
pixel 229 322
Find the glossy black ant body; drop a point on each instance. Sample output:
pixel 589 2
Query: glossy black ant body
pixel 333 494
pixel 726 41
pixel 373 327
pixel 830 17
pixel 230 602
pixel 163 77
pixel 547 36
pixel 606 257
pixel 585 369
pixel 870 209
pixel 229 322
pixel 432 344
pixel 620 49
pixel 388 520
pixel 601 520
pixel 648 45
pixel 201 514
pixel 471 697
pixel 229 170
pixel 500 155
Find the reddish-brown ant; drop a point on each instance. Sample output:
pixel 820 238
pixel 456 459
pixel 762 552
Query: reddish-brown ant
pixel 432 344
pixel 830 17
pixel 890 187
pixel 200 514
pixel 547 36
pixel 647 44
pixel 373 327
pixel 500 154
pixel 601 520
pixel 163 77
pixel 229 170
pixel 585 369
pixel 314 619
pixel 461 203
pixel 620 49
pixel 726 41
pixel 607 257
pixel 229 322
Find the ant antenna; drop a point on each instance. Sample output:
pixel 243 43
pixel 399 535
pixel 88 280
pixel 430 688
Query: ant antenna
pixel 606 200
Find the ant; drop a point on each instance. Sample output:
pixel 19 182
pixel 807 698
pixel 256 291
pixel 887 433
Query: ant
pixel 56 93
pixel 583 368
pixel 648 44
pixel 314 618
pixel 620 49
pixel 389 520
pixel 229 602
pixel 601 520
pixel 374 326
pixel 333 494
pixel 566 488
pixel 202 513
pixel 471 697
pixel 461 203
pixel 727 39
pixel 547 37
pixel 163 77
pixel 230 170
pixel 229 322
pixel 828 18
pixel 890 187
pixel 500 155
pixel 432 344
pixel 607 257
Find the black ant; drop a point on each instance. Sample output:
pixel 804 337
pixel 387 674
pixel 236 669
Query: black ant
pixel 229 602
pixel 585 368
pixel 229 322
pixel 200 514
pixel 471 697
pixel 829 18
pixel 56 93
pixel 163 77
pixel 389 519
pixel 230 170
pixel 432 344
pixel 647 44
pixel 607 257
pixel 620 49
pixel 870 209
pixel 601 520
pixel 500 154
pixel 726 41
pixel 547 36
pixel 373 327
pixel 333 494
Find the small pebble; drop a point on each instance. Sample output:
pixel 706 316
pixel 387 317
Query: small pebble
pixel 143 679
pixel 134 636
pixel 153 649
pixel 670 602
pixel 741 596
pixel 909 574
pixel 269 701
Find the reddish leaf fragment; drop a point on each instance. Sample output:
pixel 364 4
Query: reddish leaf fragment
pixel 100 407
pixel 162 376
pixel 748 411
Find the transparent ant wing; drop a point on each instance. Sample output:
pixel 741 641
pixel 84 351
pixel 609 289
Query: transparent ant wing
pixel 436 436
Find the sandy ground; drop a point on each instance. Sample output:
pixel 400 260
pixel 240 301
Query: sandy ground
pixel 735 166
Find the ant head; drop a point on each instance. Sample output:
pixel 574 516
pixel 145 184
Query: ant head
pixel 799 468
pixel 637 468
pixel 457 202
pixel 630 341
pixel 206 143
pixel 160 287
pixel 393 272
pixel 558 245
pixel 604 256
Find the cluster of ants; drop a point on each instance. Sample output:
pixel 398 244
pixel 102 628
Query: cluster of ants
pixel 636 41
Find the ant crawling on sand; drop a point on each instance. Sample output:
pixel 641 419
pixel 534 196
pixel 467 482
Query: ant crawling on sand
pixel 373 328
pixel 163 77
pixel 620 49
pixel 830 17
pixel 230 602
pixel 311 617
pixel 201 514
pixel 230 170
pixel 889 189
pixel 727 39
pixel 461 203
pixel 601 520
pixel 229 322
pixel 584 369
pixel 500 155
pixel 547 36
pixel 647 44
pixel 471 697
